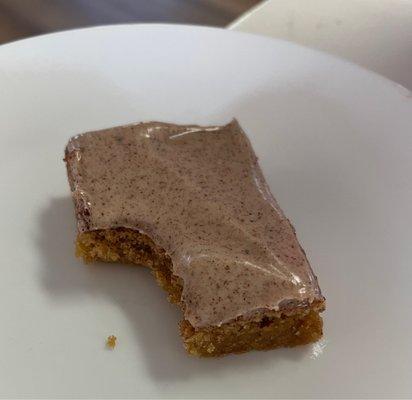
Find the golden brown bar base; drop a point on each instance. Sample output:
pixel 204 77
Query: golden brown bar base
pixel 264 331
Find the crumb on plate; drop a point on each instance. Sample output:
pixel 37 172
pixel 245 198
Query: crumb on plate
pixel 111 341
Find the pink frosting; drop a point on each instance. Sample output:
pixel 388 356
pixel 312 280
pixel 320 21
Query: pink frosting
pixel 199 193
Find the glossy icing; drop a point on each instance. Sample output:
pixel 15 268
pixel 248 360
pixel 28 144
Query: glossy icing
pixel 199 193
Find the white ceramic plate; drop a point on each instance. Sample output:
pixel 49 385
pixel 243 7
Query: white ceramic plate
pixel 335 143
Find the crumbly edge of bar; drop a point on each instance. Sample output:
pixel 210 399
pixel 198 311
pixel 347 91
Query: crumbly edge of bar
pixel 263 331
